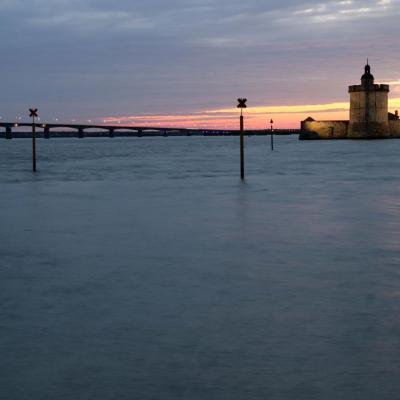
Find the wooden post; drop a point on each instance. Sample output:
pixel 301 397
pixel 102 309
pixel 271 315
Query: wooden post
pixel 241 105
pixel 33 114
pixel 241 146
pixel 272 140
pixel 33 144
pixel 272 135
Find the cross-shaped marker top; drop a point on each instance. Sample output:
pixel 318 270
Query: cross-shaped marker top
pixel 33 112
pixel 242 103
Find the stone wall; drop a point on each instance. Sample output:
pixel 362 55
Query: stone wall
pixel 368 114
pixel 394 126
pixel 324 130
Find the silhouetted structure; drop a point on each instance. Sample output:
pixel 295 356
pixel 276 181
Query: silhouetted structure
pixel 369 116
pixel 242 104
pixel 33 113
pixel 46 130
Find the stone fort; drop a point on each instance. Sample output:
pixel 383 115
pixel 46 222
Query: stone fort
pixel 369 116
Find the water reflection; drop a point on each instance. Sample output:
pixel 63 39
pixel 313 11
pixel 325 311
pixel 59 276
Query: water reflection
pixel 143 268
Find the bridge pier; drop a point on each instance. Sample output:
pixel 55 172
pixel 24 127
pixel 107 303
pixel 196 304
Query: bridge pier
pixel 46 132
pixel 165 133
pixel 8 132
pixel 188 133
pixel 140 132
pixel 81 133
pixel 111 133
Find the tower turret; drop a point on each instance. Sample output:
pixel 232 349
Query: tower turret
pixel 368 108
pixel 367 79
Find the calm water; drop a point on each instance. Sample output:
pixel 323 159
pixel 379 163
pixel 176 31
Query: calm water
pixel 143 269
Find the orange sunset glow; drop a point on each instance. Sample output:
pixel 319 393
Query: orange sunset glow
pixel 257 117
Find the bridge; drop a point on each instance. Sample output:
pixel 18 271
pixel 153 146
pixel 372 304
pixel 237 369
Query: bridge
pixel 80 130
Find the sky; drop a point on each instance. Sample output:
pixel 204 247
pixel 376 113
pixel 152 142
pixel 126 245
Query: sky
pixel 185 62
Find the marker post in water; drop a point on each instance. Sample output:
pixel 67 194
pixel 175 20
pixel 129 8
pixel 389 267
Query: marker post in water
pixel 272 134
pixel 33 114
pixel 241 105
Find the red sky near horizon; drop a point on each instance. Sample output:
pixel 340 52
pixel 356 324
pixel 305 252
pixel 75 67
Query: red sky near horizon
pixel 257 117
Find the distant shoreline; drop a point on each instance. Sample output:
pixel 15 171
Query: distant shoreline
pixel 217 133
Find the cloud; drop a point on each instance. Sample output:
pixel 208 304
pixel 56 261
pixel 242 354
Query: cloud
pixel 95 57
pixel 344 11
pixel 93 20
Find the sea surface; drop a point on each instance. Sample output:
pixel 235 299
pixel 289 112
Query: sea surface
pixel 142 268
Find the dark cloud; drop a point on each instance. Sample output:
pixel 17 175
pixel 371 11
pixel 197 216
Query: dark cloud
pixel 95 57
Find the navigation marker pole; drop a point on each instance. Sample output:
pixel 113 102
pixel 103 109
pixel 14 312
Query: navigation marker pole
pixel 241 105
pixel 272 134
pixel 33 114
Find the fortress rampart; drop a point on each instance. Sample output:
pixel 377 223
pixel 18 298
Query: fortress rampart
pixel 375 87
pixel 394 128
pixel 369 116
pixel 324 129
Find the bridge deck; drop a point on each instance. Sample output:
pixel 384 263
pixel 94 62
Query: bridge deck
pixel 126 130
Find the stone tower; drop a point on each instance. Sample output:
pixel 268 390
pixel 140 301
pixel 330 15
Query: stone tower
pixel 368 108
